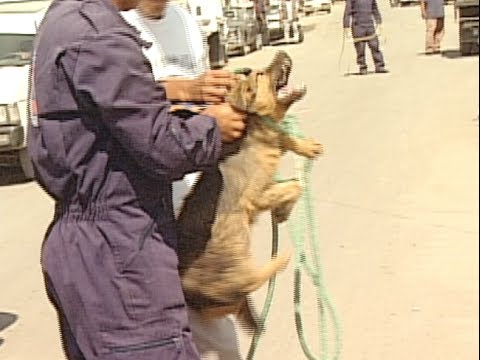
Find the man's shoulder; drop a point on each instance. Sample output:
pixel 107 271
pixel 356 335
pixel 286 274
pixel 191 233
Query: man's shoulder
pixel 81 19
pixel 177 12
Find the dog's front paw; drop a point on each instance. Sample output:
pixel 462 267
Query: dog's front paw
pixel 310 148
pixel 282 213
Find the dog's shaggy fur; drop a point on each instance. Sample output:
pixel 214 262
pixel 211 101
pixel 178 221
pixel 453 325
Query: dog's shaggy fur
pixel 216 268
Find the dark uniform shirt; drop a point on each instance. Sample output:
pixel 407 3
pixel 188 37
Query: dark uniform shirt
pixel 361 13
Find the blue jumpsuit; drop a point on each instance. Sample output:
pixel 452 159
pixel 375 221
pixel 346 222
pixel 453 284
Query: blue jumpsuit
pixel 359 14
pixel 105 147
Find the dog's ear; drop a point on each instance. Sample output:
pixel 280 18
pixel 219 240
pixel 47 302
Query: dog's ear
pixel 242 96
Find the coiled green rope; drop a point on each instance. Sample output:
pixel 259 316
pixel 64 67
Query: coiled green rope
pixel 301 225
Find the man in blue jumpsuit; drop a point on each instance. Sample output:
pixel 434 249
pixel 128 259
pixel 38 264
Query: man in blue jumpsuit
pixel 360 16
pixel 106 148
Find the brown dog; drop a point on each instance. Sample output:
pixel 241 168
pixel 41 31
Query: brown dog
pixel 216 267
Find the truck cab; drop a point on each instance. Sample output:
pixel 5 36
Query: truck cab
pixel 19 21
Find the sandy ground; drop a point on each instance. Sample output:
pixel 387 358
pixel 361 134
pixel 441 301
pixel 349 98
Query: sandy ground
pixel 395 196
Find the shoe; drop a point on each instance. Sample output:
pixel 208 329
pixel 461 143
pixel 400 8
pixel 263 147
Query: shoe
pixel 381 71
pixel 363 72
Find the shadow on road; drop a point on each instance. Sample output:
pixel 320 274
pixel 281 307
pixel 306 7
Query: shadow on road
pixel 6 319
pixel 309 27
pixel 347 74
pixel 455 54
pixel 11 176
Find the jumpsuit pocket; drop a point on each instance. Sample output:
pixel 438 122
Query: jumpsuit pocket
pixel 174 342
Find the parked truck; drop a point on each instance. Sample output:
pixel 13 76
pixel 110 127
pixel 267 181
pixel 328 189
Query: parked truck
pixel 19 21
pixel 467 14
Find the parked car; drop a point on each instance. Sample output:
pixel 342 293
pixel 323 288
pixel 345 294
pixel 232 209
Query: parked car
pixel 314 6
pixel 19 21
pixel 244 33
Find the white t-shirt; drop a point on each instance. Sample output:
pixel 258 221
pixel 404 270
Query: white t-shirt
pixel 178 45
pixel 178 49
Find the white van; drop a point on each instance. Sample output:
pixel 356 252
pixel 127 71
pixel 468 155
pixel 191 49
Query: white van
pixel 19 21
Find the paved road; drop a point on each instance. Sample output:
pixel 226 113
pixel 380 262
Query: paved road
pixel 395 198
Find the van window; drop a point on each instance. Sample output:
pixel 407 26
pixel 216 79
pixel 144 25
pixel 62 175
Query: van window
pixel 15 49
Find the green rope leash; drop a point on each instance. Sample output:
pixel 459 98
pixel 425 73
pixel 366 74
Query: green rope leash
pixel 269 297
pixel 302 223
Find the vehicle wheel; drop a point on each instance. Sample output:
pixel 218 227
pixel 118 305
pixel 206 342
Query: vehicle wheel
pixel 301 36
pixel 265 38
pixel 245 49
pixel 258 42
pixel 466 48
pixel 224 55
pixel 217 51
pixel 26 164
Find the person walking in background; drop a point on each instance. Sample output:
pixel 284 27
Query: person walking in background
pixel 361 16
pixel 434 15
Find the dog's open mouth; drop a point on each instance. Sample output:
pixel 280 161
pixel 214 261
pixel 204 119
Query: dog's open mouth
pixel 282 67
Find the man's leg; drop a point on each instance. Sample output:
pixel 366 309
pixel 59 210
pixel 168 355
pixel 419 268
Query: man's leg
pixel 358 32
pixel 216 338
pixel 69 344
pixel 430 35
pixel 377 55
pixel 439 33
pixel 122 300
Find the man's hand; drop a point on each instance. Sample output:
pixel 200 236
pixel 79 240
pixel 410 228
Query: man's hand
pixel 212 87
pixel 346 32
pixel 379 29
pixel 230 121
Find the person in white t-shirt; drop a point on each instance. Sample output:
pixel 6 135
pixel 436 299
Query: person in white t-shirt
pixel 179 60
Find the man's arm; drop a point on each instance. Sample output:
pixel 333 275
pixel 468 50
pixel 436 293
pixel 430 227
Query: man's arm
pixel 376 13
pixel 211 87
pixel 111 76
pixel 347 14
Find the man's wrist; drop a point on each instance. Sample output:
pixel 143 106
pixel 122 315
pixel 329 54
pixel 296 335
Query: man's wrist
pixel 179 89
